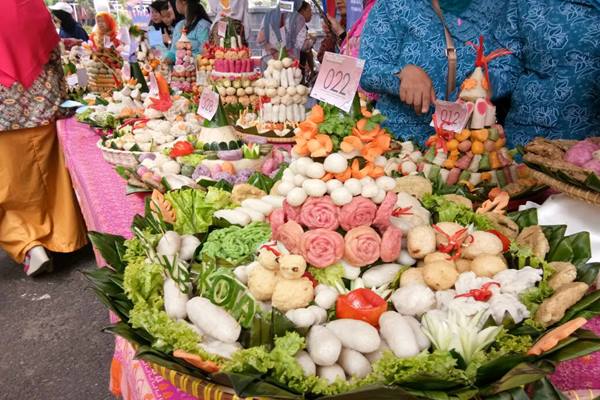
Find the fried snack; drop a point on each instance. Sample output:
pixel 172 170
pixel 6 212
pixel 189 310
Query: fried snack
pixel 553 308
pixel 534 238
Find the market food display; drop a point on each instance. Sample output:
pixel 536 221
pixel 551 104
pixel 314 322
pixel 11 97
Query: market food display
pixel 335 281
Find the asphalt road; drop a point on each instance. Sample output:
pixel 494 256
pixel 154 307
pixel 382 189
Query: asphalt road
pixel 51 346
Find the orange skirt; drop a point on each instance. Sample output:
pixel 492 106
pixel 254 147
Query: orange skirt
pixel 37 203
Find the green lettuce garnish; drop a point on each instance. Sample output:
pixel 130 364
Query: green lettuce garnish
pixel 194 208
pixel 281 365
pixel 506 343
pixel 439 366
pixel 449 211
pixel 191 159
pixel 330 276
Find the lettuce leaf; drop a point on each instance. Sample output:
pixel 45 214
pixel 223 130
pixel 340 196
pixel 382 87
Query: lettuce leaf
pixel 194 208
pixel 508 344
pixel 439 366
pixel 533 297
pixel 191 159
pixel 449 211
pixel 143 283
pixel 281 366
pixel 330 276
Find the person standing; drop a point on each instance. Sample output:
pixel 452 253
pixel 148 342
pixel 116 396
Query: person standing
pixel 69 28
pixel 38 211
pixel 155 17
pixel 337 33
pixel 417 52
pixel 196 25
pixel 553 73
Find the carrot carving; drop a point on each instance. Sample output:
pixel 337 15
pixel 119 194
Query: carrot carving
pixel 197 361
pixel 161 206
pixel 551 339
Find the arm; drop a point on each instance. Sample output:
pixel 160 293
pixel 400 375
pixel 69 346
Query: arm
pixel 169 55
pixel 505 71
pixel 199 36
pixel 381 53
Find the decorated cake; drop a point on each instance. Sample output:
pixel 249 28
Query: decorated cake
pixel 105 63
pixel 230 70
pixel 282 100
pixel 477 153
pixel 183 76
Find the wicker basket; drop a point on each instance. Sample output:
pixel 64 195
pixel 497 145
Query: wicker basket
pixel 122 158
pixel 570 190
pixel 197 387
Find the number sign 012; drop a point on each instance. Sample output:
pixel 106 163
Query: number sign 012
pixel 452 116
pixel 338 80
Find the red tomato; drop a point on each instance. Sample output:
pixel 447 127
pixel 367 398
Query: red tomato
pixel 181 148
pixel 505 241
pixel 361 304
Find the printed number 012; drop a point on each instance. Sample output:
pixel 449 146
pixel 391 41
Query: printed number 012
pixel 450 117
pixel 334 79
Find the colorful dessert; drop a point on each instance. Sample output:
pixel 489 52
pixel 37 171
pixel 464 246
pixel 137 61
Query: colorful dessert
pixel 183 76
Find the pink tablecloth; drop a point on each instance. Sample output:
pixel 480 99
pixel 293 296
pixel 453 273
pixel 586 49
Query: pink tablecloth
pixel 106 208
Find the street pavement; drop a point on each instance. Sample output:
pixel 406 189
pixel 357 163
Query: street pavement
pixel 51 344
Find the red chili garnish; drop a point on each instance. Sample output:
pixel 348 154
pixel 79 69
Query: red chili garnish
pixel 271 248
pixel 505 241
pixel 455 242
pixel 311 278
pixel 361 304
pixel 482 294
pixel 181 148
pixel 398 212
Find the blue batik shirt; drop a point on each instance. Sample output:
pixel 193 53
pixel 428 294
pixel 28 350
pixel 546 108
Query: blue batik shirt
pixel 554 71
pixel 403 32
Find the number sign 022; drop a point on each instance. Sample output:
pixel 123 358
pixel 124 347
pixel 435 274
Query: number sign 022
pixel 453 116
pixel 338 80
pixel 209 102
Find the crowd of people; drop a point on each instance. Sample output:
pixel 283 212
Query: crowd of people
pixel 416 52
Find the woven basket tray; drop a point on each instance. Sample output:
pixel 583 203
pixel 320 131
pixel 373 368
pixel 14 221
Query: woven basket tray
pixel 122 158
pixel 570 190
pixel 197 387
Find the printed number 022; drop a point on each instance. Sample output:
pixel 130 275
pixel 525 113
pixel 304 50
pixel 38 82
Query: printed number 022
pixel 334 79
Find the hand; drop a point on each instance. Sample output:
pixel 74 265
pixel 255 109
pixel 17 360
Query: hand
pixel 416 89
pixel 338 29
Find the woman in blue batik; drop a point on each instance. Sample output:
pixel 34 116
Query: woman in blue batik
pixel 404 46
pixel 554 71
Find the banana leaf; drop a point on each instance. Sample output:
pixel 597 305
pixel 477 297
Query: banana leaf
pixel 519 376
pixel 524 218
pixel 581 343
pixel 575 249
pixel 545 390
pixel 588 273
pixel 513 394
pixel 496 369
pixel 591 183
pixel 588 307
pixel 111 247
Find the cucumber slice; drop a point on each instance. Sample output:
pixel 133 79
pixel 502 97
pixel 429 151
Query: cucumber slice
pixel 464 176
pixel 484 164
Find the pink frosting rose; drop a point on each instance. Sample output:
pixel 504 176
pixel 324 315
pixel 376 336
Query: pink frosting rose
pixel 362 246
pixel 384 213
pixel 291 212
pixel 276 219
pixel 289 234
pixel 360 211
pixel 391 244
pixel 322 247
pixel 319 212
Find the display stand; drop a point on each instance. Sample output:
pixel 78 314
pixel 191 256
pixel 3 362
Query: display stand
pixel 101 194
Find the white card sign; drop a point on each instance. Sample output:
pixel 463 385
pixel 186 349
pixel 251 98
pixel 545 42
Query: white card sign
pixel 286 6
pixel 209 103
pixel 72 80
pixel 452 116
pixel 338 80
pixel 222 28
